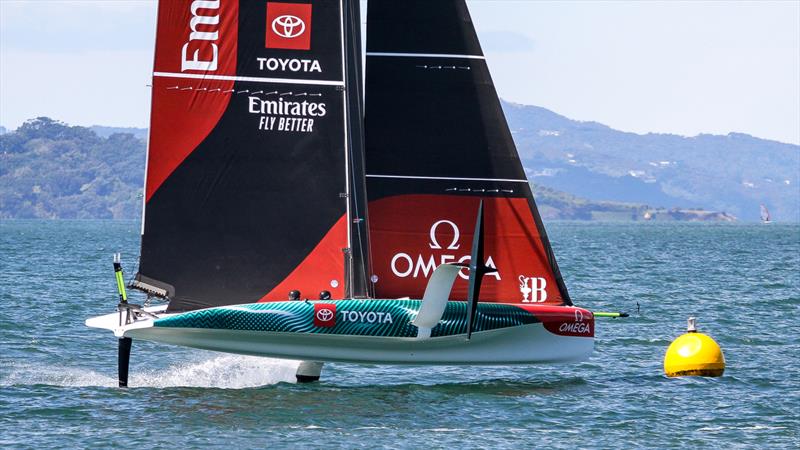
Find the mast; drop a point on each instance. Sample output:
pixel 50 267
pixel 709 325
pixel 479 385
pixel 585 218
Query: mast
pixel 359 270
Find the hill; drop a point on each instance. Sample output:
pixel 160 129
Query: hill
pixel 733 173
pixel 559 205
pixel 105 132
pixel 49 169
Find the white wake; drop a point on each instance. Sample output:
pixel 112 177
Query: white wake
pixel 228 372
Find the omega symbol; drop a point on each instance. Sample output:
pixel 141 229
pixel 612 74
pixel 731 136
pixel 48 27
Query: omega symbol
pixel 456 235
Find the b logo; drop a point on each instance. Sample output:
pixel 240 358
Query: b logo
pixel 288 26
pixel 535 286
pixel 324 314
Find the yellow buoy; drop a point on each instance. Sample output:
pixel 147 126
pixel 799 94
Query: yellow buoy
pixel 694 354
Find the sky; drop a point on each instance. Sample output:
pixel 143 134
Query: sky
pixel 668 67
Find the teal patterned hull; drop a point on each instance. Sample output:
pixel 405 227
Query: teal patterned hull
pixel 384 318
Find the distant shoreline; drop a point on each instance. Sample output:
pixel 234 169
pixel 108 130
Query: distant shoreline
pixel 50 170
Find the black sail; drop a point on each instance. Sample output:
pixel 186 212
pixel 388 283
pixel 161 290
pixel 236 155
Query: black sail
pixel 247 160
pixel 436 144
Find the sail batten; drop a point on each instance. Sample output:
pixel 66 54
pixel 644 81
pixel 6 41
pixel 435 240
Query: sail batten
pixel 420 177
pixel 424 55
pixel 193 76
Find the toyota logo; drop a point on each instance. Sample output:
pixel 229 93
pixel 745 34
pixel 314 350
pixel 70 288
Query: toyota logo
pixel 289 27
pixel 324 315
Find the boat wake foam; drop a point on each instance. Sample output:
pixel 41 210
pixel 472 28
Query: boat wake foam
pixel 226 372
pixel 229 372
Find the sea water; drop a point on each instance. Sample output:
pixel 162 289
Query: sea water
pixel 742 282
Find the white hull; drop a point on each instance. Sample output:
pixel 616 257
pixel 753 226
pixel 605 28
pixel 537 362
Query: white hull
pixel 515 345
pixel 525 344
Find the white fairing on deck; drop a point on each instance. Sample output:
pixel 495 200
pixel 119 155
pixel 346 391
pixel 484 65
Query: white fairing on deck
pixel 434 302
pixel 112 321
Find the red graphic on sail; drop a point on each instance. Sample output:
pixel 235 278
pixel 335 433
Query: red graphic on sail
pixel 189 40
pixel 413 234
pixel 288 26
pixel 320 271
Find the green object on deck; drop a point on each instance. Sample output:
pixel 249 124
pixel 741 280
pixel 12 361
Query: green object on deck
pixel 123 296
pixel 610 314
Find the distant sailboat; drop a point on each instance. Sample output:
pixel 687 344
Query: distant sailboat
pixel 407 220
pixel 765 217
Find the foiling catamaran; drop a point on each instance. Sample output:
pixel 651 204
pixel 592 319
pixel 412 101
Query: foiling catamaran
pixel 392 209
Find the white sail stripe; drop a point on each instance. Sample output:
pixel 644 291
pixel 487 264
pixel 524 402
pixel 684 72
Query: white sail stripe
pixel 426 55
pixel 197 76
pixel 412 177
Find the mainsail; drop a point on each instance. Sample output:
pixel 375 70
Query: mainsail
pixel 248 188
pixel 436 144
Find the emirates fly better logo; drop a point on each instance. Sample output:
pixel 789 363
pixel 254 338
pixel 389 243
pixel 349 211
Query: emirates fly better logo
pixel 289 26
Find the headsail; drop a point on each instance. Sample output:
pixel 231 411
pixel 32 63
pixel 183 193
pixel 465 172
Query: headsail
pixel 246 191
pixel 436 144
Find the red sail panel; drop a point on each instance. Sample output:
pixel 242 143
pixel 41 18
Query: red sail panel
pixel 413 234
pixel 193 38
pixel 320 271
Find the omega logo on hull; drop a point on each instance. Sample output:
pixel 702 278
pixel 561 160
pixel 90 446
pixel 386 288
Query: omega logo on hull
pixel 577 327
